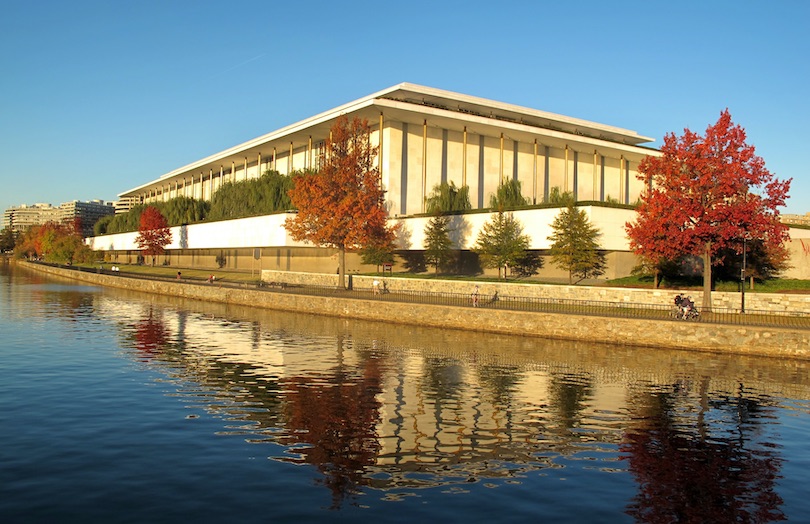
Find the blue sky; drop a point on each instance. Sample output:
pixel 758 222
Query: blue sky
pixel 98 97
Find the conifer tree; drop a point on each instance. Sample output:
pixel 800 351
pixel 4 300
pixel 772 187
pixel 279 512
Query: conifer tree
pixel 438 245
pixel 501 242
pixel 575 244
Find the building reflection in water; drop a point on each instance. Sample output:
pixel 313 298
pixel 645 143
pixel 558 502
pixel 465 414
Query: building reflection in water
pixel 374 406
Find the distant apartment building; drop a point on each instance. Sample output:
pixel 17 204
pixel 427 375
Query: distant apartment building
pixel 796 220
pixel 22 217
pixel 125 204
pixel 87 213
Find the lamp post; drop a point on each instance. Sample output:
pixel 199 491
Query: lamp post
pixel 742 280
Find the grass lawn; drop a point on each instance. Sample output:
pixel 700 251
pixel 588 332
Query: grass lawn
pixel 771 286
pixel 187 273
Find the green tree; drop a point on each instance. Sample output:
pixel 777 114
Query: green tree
pixel 102 224
pixel 575 244
pixel 447 198
pixel 501 242
pixel 560 198
pixel 7 240
pixel 255 197
pixel 379 251
pixel 508 196
pixel 438 245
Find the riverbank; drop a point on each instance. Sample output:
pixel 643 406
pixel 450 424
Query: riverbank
pixel 759 341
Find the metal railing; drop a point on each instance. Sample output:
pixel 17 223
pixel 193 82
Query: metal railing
pixel 658 312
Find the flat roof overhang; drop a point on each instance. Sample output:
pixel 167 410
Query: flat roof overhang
pixel 414 104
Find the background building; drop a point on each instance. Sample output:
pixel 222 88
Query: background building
pixel 87 213
pixel 22 217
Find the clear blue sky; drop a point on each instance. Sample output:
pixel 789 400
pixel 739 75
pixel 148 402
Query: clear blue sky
pixel 98 97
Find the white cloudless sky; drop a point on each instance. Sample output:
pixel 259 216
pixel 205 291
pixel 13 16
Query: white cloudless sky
pixel 98 97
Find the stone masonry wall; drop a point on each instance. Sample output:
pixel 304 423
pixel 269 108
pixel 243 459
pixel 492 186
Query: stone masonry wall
pixel 769 302
pixel 773 342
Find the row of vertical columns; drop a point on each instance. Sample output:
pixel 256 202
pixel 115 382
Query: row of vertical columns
pixel 597 181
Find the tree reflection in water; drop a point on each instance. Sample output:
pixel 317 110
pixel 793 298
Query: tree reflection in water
pixel 149 334
pixel 371 411
pixel 691 470
pixel 332 421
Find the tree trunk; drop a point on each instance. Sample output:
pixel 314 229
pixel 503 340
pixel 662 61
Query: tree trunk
pixel 655 279
pixel 342 266
pixel 707 278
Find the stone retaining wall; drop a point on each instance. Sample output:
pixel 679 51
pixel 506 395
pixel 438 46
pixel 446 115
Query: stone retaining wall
pixel 760 341
pixel 767 302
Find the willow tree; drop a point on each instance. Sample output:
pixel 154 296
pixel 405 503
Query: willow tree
pixel 342 205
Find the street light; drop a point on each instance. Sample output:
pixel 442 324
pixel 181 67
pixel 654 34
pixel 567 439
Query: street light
pixel 742 279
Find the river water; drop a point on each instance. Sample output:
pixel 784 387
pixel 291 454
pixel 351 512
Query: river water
pixel 125 407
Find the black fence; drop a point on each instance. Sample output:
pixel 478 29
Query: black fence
pixel 664 313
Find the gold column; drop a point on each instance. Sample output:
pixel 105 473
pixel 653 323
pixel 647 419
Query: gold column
pixel 380 146
pixel 211 184
pixel 565 169
pixel 309 152
pixel 274 159
pixel 534 174
pixel 259 166
pixel 500 168
pixel 424 164
pixel 233 171
pixel 595 182
pixel 245 168
pixel 621 179
pixel 289 159
pixel 464 158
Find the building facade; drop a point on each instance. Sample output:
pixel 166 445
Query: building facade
pixel 427 136
pixel 22 217
pixel 86 213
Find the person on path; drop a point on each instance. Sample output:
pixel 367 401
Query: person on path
pixel 475 295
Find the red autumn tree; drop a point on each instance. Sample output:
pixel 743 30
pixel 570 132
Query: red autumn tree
pixel 342 205
pixel 153 233
pixel 705 194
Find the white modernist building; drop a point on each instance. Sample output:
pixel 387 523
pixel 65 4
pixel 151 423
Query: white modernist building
pixel 425 136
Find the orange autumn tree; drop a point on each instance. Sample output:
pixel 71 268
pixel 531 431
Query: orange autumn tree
pixel 704 195
pixel 153 233
pixel 342 204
